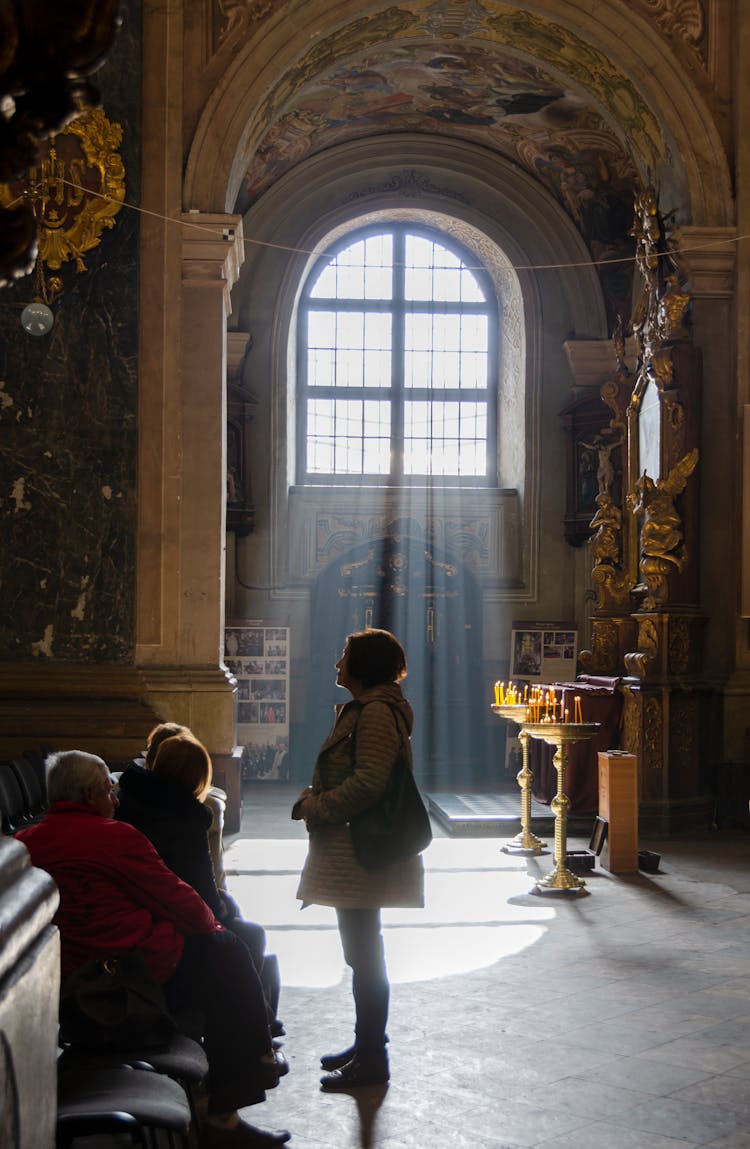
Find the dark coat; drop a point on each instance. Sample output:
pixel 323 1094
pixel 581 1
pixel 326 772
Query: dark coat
pixel 177 825
pixel 351 773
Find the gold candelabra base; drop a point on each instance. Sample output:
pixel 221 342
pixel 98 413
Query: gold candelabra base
pixel 525 842
pixel 561 735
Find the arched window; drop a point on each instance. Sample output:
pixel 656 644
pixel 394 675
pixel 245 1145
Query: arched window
pixel 397 356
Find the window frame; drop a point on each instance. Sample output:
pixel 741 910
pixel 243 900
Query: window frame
pixel 397 393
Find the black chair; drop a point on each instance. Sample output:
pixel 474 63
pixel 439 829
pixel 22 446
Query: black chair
pixel 13 809
pixel 182 1059
pixel 33 788
pixel 115 1100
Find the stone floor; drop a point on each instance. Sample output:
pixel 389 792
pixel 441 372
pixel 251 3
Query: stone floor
pixel 617 1018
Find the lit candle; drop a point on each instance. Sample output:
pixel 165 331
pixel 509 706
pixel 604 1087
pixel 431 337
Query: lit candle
pixel 577 710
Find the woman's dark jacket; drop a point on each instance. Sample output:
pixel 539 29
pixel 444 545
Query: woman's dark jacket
pixel 176 823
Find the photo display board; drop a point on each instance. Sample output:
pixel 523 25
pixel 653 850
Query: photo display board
pixel 257 654
pixel 543 652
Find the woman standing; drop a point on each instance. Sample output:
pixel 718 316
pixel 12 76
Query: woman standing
pixel 351 772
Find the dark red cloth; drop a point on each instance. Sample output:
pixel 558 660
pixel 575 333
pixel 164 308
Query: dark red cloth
pixel 115 891
pixel 601 702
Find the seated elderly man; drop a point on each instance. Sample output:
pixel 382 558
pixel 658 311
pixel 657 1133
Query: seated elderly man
pixel 117 894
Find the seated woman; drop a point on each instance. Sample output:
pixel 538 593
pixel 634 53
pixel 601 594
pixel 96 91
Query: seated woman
pixel 166 803
pixel 214 801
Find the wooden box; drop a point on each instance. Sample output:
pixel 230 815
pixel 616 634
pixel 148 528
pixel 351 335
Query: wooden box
pixel 618 805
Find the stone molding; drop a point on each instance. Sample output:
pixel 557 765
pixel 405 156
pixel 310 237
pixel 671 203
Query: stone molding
pixel 707 256
pixel 212 251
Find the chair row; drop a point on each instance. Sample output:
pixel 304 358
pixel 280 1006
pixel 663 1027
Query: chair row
pixel 139 1092
pixel 23 791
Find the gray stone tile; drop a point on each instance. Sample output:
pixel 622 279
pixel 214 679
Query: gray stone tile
pixel 601 1135
pixel 658 1078
pixel 730 1092
pixel 681 1119
pixel 701 1052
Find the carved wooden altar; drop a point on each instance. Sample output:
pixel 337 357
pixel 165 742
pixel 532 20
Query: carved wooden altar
pixel 646 623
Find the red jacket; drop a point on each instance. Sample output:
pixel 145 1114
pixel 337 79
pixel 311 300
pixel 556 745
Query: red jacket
pixel 115 891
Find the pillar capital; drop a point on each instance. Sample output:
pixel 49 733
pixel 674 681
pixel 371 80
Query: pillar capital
pixel 706 256
pixel 212 251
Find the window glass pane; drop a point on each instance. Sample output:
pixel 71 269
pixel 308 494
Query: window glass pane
pixel 350 329
pixel 445 369
pixel 377 335
pixel 349 368
pixel 320 425
pixel 447 332
pixel 377 369
pixel 362 270
pixel 348 437
pixel 379 267
pixel 417 369
pixel 321 328
pixel 474 332
pixel 418 332
pixel 320 367
pixel 433 272
pixel 473 370
pixel 445 439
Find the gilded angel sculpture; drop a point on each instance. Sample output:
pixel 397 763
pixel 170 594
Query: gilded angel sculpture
pixel 662 545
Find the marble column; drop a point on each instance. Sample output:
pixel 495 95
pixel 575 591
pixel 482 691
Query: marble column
pixel 182 622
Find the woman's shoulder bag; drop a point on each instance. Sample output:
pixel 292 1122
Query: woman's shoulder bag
pixel 398 826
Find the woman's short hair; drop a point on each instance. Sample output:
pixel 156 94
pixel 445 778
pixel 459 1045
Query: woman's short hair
pixel 159 734
pixel 74 775
pixel 374 657
pixel 185 758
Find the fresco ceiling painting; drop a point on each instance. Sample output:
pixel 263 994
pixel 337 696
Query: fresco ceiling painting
pixel 505 79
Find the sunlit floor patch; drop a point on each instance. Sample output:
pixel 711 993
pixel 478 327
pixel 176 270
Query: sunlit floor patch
pixel 312 958
pixel 469 921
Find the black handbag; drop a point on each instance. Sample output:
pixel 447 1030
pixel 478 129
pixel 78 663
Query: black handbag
pixel 114 1004
pixel 398 826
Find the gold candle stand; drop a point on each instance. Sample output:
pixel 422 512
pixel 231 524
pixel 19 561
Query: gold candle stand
pixel 525 842
pixel 561 735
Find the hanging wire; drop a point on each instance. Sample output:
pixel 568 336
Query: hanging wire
pixel 292 250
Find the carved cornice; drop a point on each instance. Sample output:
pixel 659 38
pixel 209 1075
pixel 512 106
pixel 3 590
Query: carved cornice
pixel 706 256
pixel 593 361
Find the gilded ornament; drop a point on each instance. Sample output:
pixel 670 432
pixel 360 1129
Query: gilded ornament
pixel 602 658
pixel 77 188
pixel 652 735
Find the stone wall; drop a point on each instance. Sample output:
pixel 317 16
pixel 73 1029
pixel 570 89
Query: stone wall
pixel 68 406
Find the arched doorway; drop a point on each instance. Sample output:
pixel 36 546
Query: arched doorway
pixel 431 601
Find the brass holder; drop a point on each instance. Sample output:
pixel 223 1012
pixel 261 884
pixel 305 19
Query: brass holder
pixel 560 735
pixel 525 842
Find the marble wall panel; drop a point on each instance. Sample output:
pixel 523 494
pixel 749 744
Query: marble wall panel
pixel 68 404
